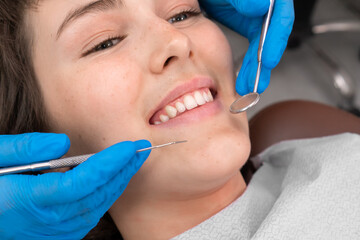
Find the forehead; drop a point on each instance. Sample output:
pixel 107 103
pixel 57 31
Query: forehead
pixel 56 15
pixel 49 17
pixel 99 5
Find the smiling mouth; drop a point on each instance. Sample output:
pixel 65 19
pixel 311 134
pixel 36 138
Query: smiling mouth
pixel 183 104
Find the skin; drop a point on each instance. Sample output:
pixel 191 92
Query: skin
pixel 109 96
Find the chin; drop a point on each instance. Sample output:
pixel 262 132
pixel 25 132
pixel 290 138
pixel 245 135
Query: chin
pixel 220 158
pixel 218 146
pixel 208 160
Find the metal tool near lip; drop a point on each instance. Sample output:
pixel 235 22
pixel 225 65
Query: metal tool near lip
pixel 249 100
pixel 65 162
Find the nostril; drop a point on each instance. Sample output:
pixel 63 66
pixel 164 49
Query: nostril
pixel 168 61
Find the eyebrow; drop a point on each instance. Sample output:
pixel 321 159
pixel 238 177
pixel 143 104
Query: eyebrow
pixel 97 6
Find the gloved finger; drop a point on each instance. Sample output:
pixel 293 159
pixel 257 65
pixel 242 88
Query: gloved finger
pixel 103 197
pixel 248 27
pixel 120 187
pixel 242 87
pixel 279 31
pixel 49 232
pixel 246 79
pixel 115 188
pixel 76 234
pixel 79 234
pixel 31 147
pixel 230 16
pixel 79 225
pixel 61 188
pixel 251 8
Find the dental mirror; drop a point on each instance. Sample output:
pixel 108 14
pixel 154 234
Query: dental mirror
pixel 247 101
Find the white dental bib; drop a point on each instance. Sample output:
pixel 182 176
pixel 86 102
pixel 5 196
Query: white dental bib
pixel 306 189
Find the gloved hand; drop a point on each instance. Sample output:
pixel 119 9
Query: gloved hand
pixel 246 17
pixel 61 205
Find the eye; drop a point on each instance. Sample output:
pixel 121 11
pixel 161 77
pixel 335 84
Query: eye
pixel 108 43
pixel 184 15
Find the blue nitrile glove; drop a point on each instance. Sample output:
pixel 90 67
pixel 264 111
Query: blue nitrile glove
pixel 61 205
pixel 246 17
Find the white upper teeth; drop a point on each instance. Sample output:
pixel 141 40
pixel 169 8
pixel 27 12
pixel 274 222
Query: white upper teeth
pixel 171 111
pixel 206 97
pixel 190 101
pixel 210 97
pixel 164 118
pixel 199 98
pixel 180 107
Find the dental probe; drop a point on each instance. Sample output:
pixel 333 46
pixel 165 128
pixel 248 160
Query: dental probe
pixel 65 162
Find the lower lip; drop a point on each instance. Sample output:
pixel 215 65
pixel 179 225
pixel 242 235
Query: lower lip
pixel 195 115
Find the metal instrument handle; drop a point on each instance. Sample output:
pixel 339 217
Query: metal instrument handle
pixel 69 162
pixel 264 31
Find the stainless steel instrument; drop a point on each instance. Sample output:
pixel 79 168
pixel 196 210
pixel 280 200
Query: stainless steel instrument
pixel 245 102
pixel 64 162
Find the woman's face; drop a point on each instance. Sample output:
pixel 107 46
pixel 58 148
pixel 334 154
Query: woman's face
pixel 111 71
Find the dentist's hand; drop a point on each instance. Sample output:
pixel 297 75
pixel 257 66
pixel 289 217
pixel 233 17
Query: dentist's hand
pixel 246 17
pixel 61 205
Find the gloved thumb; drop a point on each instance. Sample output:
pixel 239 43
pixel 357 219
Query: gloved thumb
pixel 251 8
pixel 31 147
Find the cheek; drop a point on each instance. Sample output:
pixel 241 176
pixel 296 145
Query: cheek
pixel 106 85
pixel 83 101
pixel 213 47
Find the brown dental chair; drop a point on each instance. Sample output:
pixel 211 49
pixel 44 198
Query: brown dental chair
pixel 295 119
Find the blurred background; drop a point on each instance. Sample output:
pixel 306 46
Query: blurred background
pixel 322 61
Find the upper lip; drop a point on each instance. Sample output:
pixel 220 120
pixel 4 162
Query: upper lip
pixel 180 90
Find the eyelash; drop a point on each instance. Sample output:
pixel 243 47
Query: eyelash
pixel 192 12
pixel 110 40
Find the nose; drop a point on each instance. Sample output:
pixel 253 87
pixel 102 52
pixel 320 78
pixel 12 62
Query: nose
pixel 170 46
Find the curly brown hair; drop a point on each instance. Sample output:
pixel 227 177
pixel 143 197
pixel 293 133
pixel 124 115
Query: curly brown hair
pixel 21 104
